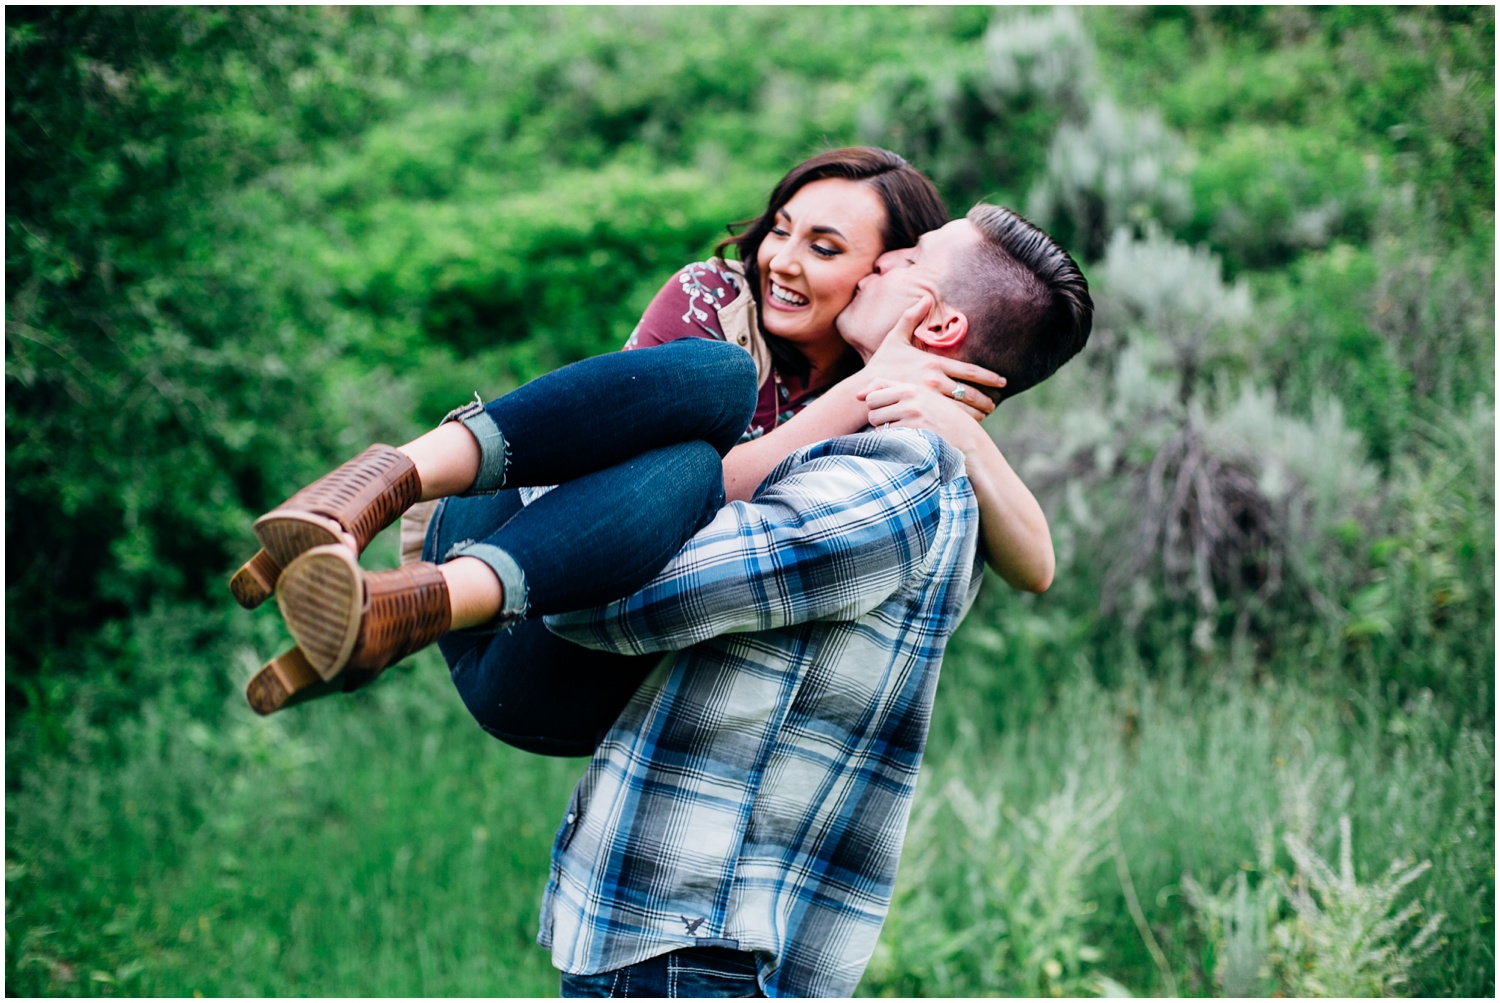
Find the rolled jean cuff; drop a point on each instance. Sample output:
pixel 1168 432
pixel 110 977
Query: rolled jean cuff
pixel 493 457
pixel 513 603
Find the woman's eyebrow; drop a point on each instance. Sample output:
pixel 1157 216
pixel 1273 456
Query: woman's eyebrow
pixel 833 230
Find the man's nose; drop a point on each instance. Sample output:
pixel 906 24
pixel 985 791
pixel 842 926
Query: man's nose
pixel 889 260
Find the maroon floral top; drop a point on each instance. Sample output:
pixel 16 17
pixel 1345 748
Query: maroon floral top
pixel 688 306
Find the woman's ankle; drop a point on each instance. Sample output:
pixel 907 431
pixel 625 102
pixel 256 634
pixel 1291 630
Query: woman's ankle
pixel 447 460
pixel 475 595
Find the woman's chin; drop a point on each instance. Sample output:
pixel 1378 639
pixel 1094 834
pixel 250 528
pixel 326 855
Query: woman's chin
pixel 800 331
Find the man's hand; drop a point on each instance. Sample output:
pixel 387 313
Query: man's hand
pixel 898 360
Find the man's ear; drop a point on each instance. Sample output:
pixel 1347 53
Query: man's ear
pixel 944 330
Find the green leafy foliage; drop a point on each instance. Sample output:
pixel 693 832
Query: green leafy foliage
pixel 1412 88
pixel 1264 196
pixel 145 375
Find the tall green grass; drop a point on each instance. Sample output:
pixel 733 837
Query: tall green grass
pixel 380 844
pixel 1054 857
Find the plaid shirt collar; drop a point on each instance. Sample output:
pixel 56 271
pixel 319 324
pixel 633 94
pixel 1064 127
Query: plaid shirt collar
pixel 754 794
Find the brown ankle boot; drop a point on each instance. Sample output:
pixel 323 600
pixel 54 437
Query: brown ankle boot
pixel 348 506
pixel 356 625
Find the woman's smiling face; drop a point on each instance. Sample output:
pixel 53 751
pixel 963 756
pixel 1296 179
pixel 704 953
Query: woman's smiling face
pixel 825 239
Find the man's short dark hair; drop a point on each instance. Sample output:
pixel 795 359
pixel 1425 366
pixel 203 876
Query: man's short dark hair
pixel 1026 300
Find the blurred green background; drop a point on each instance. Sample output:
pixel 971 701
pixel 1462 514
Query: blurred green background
pixel 1244 745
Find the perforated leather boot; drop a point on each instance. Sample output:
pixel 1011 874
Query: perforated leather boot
pixel 349 506
pixel 354 625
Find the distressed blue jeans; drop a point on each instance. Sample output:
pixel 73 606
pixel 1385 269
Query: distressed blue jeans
pixel 688 973
pixel 634 443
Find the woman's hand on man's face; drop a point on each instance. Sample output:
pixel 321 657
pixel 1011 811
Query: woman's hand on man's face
pixel 901 359
pixel 913 405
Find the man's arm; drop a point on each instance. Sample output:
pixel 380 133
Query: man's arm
pixel 843 529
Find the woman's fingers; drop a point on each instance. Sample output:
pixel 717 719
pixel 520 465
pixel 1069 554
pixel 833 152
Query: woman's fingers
pixel 881 393
pixel 913 404
pixel 974 404
pixel 889 402
pixel 937 371
pixel 967 372
pixel 914 315
pixel 891 414
pixel 973 400
pixel 973 412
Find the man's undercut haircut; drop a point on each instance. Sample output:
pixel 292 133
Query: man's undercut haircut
pixel 1026 301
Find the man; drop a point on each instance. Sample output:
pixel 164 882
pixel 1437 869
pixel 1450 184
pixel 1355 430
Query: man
pixel 740 826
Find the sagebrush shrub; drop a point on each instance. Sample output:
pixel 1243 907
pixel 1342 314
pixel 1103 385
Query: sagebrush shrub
pixel 1116 168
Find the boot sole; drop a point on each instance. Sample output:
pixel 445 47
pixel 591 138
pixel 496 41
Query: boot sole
pixel 321 595
pixel 285 681
pixel 287 534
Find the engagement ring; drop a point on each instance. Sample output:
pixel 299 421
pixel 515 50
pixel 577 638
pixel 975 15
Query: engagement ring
pixel 960 392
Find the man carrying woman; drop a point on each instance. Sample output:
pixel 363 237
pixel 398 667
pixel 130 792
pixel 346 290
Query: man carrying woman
pixel 738 828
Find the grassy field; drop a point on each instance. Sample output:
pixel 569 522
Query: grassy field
pixel 382 845
pixel 388 848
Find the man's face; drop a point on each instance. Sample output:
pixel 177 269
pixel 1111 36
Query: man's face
pixel 900 278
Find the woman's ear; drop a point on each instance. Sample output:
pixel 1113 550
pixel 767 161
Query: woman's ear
pixel 944 329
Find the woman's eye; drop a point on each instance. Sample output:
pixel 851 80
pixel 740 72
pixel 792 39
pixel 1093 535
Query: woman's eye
pixel 778 231
pixel 826 252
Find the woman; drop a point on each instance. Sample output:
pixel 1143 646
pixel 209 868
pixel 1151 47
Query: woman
pixel 674 410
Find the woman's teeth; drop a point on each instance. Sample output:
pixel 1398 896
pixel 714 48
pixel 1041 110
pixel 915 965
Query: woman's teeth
pixel 784 295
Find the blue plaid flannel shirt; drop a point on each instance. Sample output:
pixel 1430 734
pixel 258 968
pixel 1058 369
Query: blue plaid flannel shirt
pixel 754 794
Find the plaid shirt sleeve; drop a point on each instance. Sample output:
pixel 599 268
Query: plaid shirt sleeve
pixel 836 530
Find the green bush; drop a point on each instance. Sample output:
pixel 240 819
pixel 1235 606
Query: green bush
pixel 1262 197
pixel 1116 171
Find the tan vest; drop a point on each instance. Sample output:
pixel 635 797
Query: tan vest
pixel 740 323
